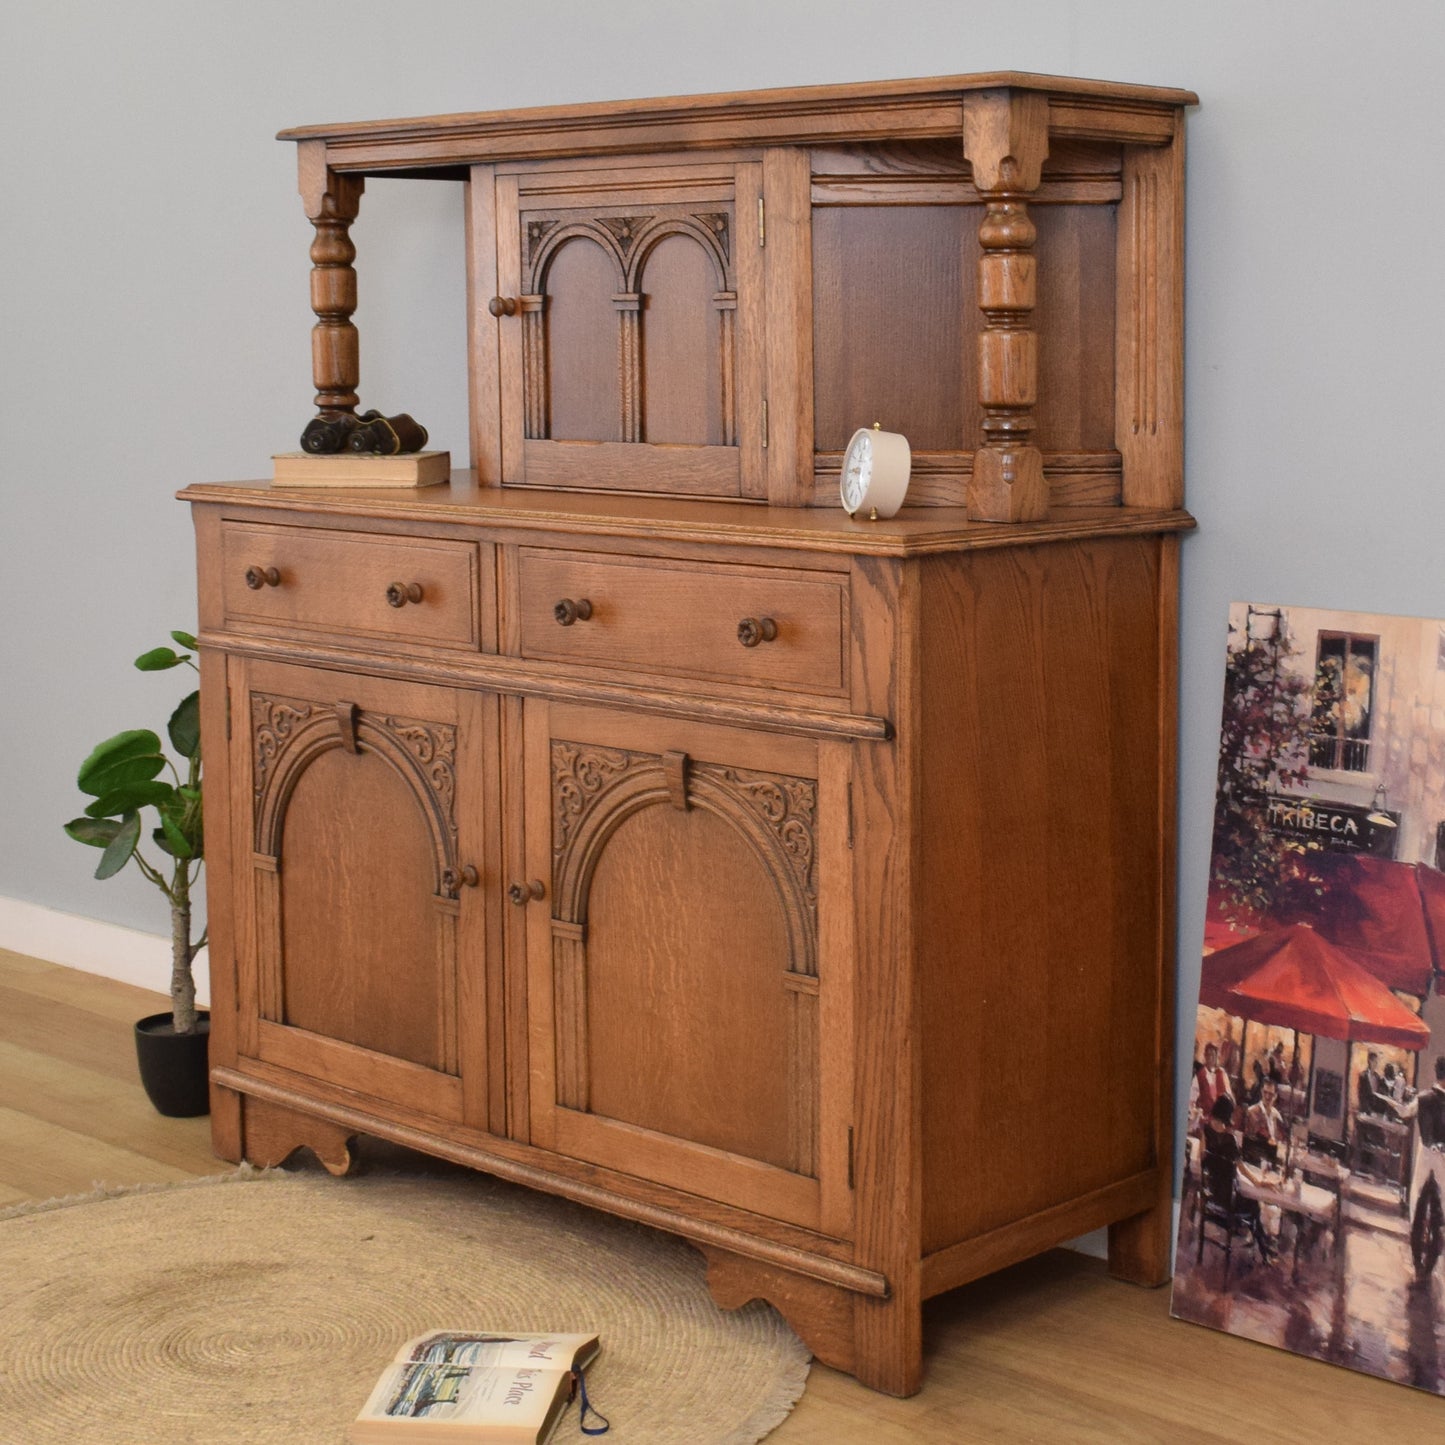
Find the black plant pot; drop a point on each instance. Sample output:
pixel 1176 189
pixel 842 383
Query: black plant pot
pixel 173 1067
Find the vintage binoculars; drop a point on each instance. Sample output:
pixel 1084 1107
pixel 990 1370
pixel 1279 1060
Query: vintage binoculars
pixel 371 432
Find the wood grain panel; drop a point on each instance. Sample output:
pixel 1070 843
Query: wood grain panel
pixel 584 387
pixel 1041 906
pixel 664 925
pixel 682 367
pixel 365 976
pixel 893 307
pixel 1074 318
pixel 482 327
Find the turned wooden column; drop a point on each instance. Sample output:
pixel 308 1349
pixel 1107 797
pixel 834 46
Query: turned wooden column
pixel 332 201
pixel 1005 140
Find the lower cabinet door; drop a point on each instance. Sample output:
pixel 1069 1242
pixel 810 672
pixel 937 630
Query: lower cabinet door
pixel 688 956
pixel 359 803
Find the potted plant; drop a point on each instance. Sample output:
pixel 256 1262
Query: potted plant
pixel 124 777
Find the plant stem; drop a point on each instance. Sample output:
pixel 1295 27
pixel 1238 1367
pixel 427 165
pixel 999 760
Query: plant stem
pixel 183 985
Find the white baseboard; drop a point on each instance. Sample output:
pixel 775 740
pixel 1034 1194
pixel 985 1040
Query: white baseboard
pixel 107 949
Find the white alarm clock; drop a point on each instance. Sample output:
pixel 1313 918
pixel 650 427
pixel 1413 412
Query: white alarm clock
pixel 875 472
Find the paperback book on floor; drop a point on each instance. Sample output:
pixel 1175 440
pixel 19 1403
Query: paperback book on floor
pixel 467 1386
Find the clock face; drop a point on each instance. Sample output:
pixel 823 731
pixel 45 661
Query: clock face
pixel 857 471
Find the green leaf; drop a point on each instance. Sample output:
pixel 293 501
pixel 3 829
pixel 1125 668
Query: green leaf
pixel 185 639
pixel 97 832
pixel 128 770
pixel 185 726
pixel 120 848
pixel 139 742
pixel 129 797
pixel 172 839
pixel 158 659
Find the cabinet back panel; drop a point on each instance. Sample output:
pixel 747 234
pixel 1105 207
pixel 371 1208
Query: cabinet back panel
pixel 689 1020
pixel 583 385
pixel 896 322
pixel 367 976
pixel 893 309
pixel 1075 321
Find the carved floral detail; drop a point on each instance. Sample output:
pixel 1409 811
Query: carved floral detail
pixel 434 746
pixel 579 774
pixel 273 721
pixel 537 232
pixel 717 223
pixel 624 228
pixel 789 806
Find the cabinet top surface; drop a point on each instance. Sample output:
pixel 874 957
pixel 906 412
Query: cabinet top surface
pixel 875 109
pixel 818 529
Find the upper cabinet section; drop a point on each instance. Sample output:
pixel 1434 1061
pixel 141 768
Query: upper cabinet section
pixel 707 296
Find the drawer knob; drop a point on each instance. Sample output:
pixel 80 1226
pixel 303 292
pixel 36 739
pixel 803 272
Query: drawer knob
pixel 502 305
pixel 521 893
pixel 463 877
pixel 567 611
pixel 753 630
pixel 259 577
pixel 400 593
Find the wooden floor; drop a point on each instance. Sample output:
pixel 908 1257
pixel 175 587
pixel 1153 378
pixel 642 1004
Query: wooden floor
pixel 1052 1350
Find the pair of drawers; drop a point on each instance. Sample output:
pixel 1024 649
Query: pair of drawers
pixel 733 623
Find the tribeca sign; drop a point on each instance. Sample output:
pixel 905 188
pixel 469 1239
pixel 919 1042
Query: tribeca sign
pixel 1328 825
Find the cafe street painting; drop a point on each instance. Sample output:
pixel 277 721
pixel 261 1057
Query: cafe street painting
pixel 1312 1213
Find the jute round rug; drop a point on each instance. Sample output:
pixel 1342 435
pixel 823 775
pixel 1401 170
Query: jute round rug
pixel 261 1308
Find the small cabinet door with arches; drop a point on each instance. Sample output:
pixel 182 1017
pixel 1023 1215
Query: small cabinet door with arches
pixel 689 956
pixel 365 899
pixel 627 319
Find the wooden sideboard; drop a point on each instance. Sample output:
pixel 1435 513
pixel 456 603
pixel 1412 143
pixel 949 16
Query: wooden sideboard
pixel 625 819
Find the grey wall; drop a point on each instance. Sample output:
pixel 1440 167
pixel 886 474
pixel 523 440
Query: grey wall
pixel 155 325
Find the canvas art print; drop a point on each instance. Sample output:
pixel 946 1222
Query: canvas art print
pixel 1311 1210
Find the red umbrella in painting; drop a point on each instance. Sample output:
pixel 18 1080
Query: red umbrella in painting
pixel 1298 980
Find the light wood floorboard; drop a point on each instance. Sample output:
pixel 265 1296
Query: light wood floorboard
pixel 1052 1350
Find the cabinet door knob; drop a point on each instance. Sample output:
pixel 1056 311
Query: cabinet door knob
pixel 464 877
pixel 259 577
pixel 753 630
pixel 400 593
pixel 521 893
pixel 567 611
pixel 502 305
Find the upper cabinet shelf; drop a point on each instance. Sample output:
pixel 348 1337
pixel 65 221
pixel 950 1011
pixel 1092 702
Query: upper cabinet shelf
pixel 705 296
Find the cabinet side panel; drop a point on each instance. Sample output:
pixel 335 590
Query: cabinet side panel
pixel 1039 905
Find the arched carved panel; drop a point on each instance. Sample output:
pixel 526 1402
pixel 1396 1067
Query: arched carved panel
pixel 611 812
pixel 289 733
pixel 585 379
pixel 341 949
pixel 594 790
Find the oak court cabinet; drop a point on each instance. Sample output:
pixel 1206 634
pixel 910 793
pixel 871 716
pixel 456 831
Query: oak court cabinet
pixel 625 818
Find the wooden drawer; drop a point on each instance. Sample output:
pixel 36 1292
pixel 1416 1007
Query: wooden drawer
pixel 686 619
pixel 412 589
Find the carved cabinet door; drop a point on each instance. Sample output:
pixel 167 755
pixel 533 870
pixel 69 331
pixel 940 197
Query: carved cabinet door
pixel 630 353
pixel 689 960
pixel 361 950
